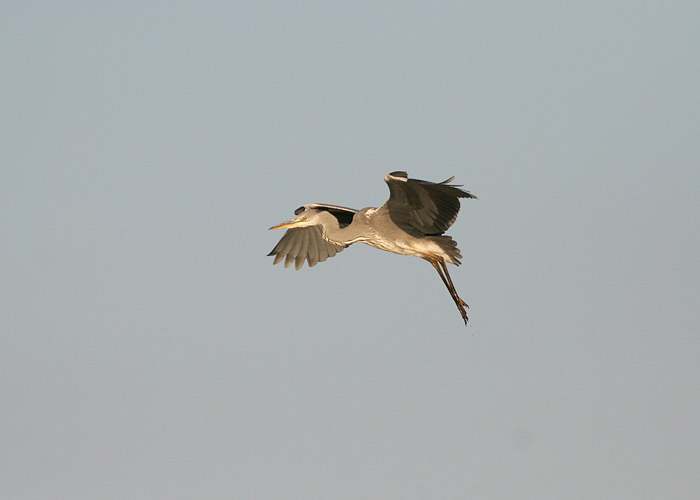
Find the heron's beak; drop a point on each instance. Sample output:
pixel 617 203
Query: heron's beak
pixel 289 223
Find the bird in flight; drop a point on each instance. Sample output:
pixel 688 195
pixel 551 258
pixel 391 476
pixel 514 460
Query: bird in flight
pixel 412 222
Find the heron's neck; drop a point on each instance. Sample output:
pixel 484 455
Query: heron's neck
pixel 346 235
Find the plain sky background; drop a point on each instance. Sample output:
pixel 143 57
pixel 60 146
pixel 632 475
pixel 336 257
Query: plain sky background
pixel 150 350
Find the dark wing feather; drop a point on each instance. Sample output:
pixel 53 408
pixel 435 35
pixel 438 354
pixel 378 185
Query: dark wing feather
pixel 304 243
pixel 343 214
pixel 427 207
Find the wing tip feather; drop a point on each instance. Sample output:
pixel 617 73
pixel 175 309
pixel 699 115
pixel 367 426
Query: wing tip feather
pixel 399 175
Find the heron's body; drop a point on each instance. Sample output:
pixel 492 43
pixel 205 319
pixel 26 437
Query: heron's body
pixel 386 236
pixel 411 222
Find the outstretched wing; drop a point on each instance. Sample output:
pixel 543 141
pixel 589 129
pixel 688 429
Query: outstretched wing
pixel 304 243
pixel 427 207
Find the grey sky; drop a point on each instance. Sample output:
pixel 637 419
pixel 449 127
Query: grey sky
pixel 149 349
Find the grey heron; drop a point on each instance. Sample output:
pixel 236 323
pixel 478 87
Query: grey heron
pixel 411 222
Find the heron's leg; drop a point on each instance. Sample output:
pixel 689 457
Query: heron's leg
pixel 453 291
pixel 450 287
pixel 446 279
pixel 442 276
pixel 447 273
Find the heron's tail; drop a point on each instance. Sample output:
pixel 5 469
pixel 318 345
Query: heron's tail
pixel 449 247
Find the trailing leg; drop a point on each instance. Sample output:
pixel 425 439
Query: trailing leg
pixel 436 263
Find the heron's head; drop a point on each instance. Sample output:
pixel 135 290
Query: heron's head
pixel 305 216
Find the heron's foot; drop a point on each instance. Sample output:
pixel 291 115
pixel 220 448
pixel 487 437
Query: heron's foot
pixel 461 305
pixel 464 315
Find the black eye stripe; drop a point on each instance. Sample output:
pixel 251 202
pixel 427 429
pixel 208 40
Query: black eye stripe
pixel 344 215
